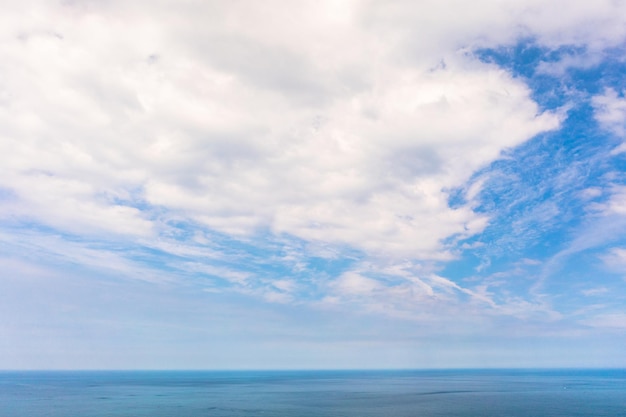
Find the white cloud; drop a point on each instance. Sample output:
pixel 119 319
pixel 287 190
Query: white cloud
pixel 591 292
pixel 356 284
pixel 610 111
pixel 60 254
pixel 415 294
pixel 616 259
pixel 580 60
pixel 244 125
pixel 615 205
pixel 338 123
pixel 608 321
pixel 590 193
pixel 432 26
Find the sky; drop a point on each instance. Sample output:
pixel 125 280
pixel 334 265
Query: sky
pixel 312 184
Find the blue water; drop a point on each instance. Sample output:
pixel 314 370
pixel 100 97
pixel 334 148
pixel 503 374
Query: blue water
pixel 464 393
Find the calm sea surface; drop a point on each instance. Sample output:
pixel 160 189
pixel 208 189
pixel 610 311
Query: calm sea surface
pixel 315 393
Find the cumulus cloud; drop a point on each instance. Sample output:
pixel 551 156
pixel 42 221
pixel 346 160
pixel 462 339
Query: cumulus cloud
pixel 247 125
pixel 434 26
pixel 335 123
pixel 610 111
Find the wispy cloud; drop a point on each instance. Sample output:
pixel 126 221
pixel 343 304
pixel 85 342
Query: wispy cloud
pixel 616 259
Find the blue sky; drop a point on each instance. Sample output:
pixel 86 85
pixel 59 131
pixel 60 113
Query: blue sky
pixel 335 184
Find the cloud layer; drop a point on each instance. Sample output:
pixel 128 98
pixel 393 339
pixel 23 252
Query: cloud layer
pixel 336 153
pixel 312 128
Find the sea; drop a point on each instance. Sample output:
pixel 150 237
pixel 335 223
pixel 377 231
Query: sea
pixel 406 393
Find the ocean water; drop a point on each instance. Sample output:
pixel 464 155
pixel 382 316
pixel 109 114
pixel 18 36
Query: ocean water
pixel 501 393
